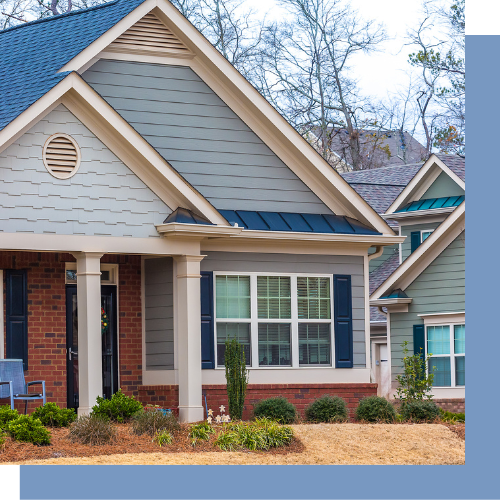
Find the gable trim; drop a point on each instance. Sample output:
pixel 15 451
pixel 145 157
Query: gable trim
pixel 130 147
pixel 252 108
pixel 425 254
pixel 422 181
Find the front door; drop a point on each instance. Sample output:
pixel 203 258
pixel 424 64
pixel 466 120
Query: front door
pixel 109 343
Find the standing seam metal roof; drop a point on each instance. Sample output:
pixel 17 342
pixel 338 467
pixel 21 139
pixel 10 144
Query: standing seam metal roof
pixel 32 53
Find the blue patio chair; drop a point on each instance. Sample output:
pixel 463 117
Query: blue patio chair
pixel 13 385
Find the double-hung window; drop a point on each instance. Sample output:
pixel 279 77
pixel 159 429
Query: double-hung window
pixel 282 320
pixel 446 343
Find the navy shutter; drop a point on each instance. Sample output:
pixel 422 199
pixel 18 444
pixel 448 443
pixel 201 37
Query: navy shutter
pixel 342 308
pixel 207 320
pixel 419 341
pixel 16 320
pixel 415 240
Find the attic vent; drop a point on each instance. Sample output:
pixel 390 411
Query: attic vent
pixel 150 35
pixel 61 156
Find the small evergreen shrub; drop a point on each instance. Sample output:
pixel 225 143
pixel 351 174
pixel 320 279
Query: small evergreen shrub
pixel 420 411
pixel 450 417
pixel 52 416
pixel 93 430
pixel 151 422
pixel 278 409
pixel 162 438
pixel 119 408
pixel 375 409
pixel 7 415
pixel 236 378
pixel 3 437
pixel 200 432
pixel 29 430
pixel 327 409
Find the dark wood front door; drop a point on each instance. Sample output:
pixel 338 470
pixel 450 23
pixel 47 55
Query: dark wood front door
pixel 109 344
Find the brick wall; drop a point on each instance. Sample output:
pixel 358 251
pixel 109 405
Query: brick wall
pixel 301 395
pixel 47 319
pixel 454 405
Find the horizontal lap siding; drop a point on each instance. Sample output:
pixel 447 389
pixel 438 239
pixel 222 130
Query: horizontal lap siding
pixel 314 264
pixel 201 137
pixel 439 289
pixel 407 230
pixel 103 198
pixel 159 313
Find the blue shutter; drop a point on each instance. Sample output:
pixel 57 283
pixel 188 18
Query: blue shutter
pixel 16 317
pixel 419 339
pixel 415 240
pixel 207 320
pixel 342 308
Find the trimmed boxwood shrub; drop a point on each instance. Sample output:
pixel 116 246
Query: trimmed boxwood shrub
pixel 7 415
pixel 327 409
pixel 119 408
pixel 29 430
pixel 278 409
pixel 375 409
pixel 52 416
pixel 420 411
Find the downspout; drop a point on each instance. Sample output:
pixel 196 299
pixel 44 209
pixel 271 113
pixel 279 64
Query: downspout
pixel 379 250
pixel 380 308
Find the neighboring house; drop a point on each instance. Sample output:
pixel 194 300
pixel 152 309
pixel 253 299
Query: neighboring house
pixel 142 174
pixel 377 148
pixel 420 284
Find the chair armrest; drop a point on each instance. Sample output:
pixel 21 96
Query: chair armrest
pixel 11 387
pixel 35 382
pixel 5 383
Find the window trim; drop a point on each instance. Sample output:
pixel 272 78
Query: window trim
pixel 451 355
pixel 254 320
pixel 425 231
pixel 112 268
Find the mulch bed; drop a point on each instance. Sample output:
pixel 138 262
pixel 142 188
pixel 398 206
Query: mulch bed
pixel 126 442
pixel 458 429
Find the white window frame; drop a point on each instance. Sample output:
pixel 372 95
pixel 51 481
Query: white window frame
pixel 451 355
pixel 254 320
pixel 112 268
pixel 425 231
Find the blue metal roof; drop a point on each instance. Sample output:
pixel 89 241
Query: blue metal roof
pixel 396 294
pixel 32 53
pixel 185 216
pixel 431 203
pixel 286 221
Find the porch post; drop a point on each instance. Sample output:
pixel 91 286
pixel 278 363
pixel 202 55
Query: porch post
pixel 189 337
pixel 88 284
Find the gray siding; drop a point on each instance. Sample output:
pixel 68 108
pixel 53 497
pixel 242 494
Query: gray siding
pixel 443 186
pixel 439 289
pixel 407 230
pixel 284 263
pixel 159 313
pixel 201 137
pixel 388 252
pixel 103 198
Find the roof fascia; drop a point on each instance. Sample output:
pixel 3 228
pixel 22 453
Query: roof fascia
pixel 425 254
pixel 422 181
pixel 100 118
pixel 252 108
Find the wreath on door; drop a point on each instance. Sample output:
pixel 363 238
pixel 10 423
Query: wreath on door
pixel 104 321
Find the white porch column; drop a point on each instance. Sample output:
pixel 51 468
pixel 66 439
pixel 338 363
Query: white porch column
pixel 189 337
pixel 88 284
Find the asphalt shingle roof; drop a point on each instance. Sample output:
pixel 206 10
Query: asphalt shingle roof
pixel 382 272
pixel 455 163
pixel 32 53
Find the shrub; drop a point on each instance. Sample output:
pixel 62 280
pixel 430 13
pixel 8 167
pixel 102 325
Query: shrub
pixel 7 415
pixel 151 422
pixel 227 440
pixel 52 416
pixel 29 430
pixel 119 408
pixel 276 435
pixel 420 411
pixel 200 432
pixel 91 429
pixel 162 438
pixel 327 409
pixel 2 439
pixel 278 409
pixel 450 417
pixel 375 409
pixel 236 378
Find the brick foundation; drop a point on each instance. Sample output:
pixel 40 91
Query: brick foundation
pixel 454 405
pixel 301 395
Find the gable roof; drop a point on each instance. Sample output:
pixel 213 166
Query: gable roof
pixel 381 186
pixel 455 163
pixel 80 44
pixel 32 53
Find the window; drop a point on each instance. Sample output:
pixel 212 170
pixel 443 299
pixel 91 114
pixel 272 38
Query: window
pixel 109 274
pixel 446 343
pixel 282 320
pixel 425 234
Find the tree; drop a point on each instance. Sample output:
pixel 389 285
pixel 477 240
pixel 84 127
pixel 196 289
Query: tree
pixel 303 70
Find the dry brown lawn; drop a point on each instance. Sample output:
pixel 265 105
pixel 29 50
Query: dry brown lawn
pixel 356 444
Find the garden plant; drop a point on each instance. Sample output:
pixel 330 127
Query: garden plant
pixel 52 416
pixel 92 429
pixel 278 409
pixel 152 422
pixel 236 378
pixel 28 429
pixel 119 408
pixel 375 409
pixel 327 409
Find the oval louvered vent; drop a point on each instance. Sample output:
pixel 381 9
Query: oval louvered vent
pixel 61 156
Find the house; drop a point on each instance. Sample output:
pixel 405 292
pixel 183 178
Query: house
pixel 154 205
pixel 418 286
pixel 377 148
